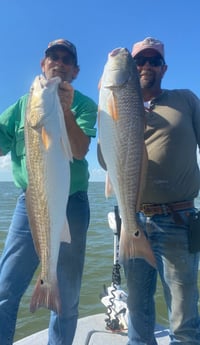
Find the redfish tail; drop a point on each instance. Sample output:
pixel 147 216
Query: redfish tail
pixel 45 295
pixel 135 247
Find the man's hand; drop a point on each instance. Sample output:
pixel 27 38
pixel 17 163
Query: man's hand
pixel 66 94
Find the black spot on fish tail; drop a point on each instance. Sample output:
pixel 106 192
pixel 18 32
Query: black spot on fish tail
pixel 137 233
pixel 46 295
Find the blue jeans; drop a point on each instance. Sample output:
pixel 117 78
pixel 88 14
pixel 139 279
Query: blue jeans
pixel 19 262
pixel 178 270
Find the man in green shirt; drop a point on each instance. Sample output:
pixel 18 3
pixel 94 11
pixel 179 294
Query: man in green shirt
pixel 19 259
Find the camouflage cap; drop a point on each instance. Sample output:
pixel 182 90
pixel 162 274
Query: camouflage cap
pixel 64 44
pixel 148 43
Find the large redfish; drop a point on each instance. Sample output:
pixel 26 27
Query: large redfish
pixel 121 136
pixel 48 155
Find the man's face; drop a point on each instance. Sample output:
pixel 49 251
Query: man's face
pixel 151 68
pixel 59 63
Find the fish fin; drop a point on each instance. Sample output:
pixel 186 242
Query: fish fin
pixel 135 245
pixel 45 295
pixel 112 107
pixel 65 235
pixel 142 181
pixel 108 187
pixel 45 138
pixel 100 156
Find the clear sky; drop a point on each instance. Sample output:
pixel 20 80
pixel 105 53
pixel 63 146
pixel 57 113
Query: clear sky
pixel 95 27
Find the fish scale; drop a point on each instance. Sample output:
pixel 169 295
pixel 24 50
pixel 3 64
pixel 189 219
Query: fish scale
pixel 121 138
pixel 48 156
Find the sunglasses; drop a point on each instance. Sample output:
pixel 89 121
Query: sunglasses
pixel 154 61
pixel 66 59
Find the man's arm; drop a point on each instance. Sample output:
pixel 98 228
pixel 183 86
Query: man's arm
pixel 78 139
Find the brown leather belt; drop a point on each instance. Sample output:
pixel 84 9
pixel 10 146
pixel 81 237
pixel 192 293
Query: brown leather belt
pixel 152 209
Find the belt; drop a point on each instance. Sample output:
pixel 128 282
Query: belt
pixel 152 209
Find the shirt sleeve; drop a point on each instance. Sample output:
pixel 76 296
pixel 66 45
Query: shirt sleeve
pixel 85 112
pixel 195 105
pixel 8 120
pixel 7 125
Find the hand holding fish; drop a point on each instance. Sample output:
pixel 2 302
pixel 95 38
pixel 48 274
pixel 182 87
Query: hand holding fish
pixel 66 95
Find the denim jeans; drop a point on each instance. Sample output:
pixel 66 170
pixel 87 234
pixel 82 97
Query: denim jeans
pixel 19 262
pixel 178 270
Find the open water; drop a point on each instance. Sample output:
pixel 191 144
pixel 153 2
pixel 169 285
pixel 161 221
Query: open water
pixel 98 262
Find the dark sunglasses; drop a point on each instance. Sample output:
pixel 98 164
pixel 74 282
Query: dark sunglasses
pixel 153 61
pixel 66 59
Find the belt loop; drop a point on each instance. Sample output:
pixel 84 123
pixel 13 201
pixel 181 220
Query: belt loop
pixel 176 216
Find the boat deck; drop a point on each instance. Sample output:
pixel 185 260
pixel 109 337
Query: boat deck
pixel 91 331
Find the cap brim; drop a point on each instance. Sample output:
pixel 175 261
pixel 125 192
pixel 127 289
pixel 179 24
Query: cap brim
pixel 148 48
pixel 56 46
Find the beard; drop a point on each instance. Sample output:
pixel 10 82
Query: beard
pixel 147 80
pixel 58 72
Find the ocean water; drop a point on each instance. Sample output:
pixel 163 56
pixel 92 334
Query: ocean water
pixel 98 261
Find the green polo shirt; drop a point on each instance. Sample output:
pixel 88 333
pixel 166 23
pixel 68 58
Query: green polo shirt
pixel 12 139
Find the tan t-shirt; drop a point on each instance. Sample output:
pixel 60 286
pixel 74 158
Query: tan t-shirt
pixel 172 134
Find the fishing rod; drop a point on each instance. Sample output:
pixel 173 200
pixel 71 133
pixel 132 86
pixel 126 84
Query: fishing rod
pixel 114 298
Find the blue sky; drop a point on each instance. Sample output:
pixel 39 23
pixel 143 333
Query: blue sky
pixel 95 27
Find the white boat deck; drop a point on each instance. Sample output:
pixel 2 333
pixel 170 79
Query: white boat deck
pixel 91 331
